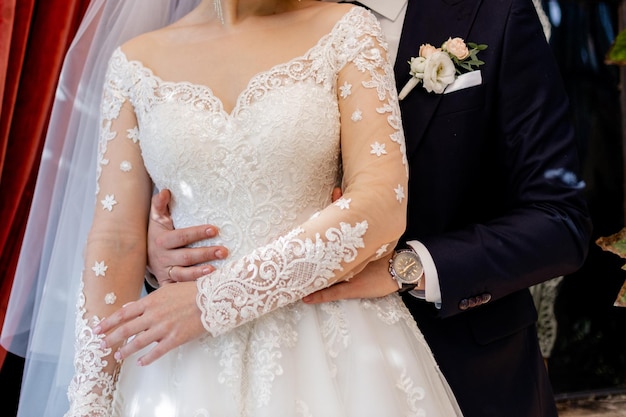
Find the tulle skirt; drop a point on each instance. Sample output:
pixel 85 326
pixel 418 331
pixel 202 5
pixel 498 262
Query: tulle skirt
pixel 362 358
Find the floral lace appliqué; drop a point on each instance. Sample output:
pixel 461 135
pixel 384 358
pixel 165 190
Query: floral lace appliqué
pixel 335 330
pixel 414 394
pixel 378 149
pixel 108 202
pixel 274 276
pixel 99 268
pixel 91 390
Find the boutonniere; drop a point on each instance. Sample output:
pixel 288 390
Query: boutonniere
pixel 436 68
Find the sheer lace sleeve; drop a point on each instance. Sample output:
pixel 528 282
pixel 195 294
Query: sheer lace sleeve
pixel 363 224
pixel 115 253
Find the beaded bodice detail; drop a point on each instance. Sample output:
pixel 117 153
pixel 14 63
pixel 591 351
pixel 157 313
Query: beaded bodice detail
pixel 269 165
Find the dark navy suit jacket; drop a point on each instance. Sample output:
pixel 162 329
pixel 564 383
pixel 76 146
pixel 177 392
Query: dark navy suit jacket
pixel 494 195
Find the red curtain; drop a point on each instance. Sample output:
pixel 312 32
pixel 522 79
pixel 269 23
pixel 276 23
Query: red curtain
pixel 34 36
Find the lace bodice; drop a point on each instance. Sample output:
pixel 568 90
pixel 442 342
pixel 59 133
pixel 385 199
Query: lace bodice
pixel 264 177
pixel 262 173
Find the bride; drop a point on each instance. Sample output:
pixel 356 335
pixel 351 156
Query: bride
pixel 250 112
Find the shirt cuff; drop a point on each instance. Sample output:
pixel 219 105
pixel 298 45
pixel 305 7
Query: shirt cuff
pixel 433 291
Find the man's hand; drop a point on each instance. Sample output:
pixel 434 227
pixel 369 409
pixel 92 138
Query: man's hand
pixel 168 257
pixel 374 281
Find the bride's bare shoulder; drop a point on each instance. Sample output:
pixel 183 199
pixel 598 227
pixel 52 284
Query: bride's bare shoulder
pixel 331 10
pixel 154 45
pixel 328 13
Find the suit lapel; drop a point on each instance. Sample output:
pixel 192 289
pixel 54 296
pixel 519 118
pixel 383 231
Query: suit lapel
pixel 427 21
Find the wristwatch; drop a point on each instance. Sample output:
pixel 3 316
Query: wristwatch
pixel 405 266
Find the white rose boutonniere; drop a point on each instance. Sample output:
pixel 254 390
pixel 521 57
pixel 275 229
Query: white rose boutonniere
pixel 436 68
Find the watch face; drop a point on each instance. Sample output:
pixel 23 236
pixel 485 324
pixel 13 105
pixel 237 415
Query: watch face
pixel 407 267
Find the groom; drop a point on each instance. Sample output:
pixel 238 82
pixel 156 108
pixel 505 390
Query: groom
pixel 495 205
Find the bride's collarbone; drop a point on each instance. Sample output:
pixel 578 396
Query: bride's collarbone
pixel 221 66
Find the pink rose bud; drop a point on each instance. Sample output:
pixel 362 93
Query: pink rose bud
pixel 457 47
pixel 427 50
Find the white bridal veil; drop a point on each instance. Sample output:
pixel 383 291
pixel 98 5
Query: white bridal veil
pixel 40 319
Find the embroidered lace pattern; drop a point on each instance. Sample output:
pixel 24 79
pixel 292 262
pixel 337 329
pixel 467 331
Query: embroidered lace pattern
pixel 264 173
pixel 291 267
pixel 287 270
pixel 91 390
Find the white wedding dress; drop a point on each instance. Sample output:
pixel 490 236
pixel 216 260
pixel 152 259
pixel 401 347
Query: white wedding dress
pixel 264 174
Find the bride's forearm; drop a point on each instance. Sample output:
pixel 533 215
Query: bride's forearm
pixel 276 275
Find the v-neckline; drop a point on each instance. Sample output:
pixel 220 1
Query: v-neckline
pixel 239 103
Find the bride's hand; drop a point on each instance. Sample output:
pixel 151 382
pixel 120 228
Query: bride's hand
pixel 168 316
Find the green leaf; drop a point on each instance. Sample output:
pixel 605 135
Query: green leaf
pixel 480 47
pixel 617 52
pixel 615 243
pixel 620 247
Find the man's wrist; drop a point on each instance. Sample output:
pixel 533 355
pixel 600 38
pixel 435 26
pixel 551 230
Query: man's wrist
pixel 431 288
pixel 420 290
pixel 405 267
